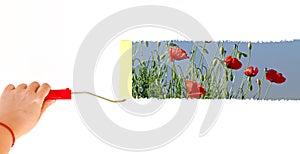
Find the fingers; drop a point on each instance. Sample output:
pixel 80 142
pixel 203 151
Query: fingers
pixel 33 86
pixel 9 87
pixel 46 104
pixel 43 91
pixel 21 86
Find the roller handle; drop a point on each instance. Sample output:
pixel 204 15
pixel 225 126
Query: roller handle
pixel 59 94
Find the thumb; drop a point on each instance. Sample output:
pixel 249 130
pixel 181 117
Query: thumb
pixel 46 104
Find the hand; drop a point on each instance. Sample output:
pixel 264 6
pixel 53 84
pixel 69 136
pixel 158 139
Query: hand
pixel 22 107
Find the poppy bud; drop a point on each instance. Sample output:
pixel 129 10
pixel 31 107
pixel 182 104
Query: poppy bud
pixel 249 79
pixel 146 43
pixel 158 44
pixel 222 51
pixel 202 77
pixel 239 55
pixel 193 51
pixel 249 46
pixel 251 87
pixel 258 82
pixel 153 64
pixel 214 63
pixel 227 94
pixel 226 73
pixel 231 77
pixel 173 75
pixel 235 46
pixel 205 51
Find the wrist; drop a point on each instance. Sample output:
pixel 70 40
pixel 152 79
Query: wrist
pixel 7 136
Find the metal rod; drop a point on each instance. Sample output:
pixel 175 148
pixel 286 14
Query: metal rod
pixel 89 93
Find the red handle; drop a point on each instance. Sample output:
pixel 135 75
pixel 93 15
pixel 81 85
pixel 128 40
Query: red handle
pixel 59 94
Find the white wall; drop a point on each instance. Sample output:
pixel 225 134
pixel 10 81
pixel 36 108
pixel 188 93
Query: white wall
pixel 39 41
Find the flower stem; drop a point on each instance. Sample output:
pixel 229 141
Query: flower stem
pixel 207 77
pixel 262 81
pixel 173 80
pixel 268 89
pixel 258 92
pixel 249 58
pixel 241 86
pixel 248 87
pixel 231 86
pixel 245 77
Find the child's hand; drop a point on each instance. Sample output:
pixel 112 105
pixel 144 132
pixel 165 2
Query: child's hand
pixel 21 107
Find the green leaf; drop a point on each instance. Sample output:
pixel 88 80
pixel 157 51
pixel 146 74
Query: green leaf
pixel 244 54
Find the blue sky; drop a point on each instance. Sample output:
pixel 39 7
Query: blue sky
pixel 282 56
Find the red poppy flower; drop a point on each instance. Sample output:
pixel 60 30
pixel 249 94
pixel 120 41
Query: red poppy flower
pixel 195 95
pixel 275 76
pixel 177 53
pixel 233 63
pixel 250 71
pixel 194 89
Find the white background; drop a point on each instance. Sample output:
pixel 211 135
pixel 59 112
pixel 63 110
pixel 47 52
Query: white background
pixel 39 41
